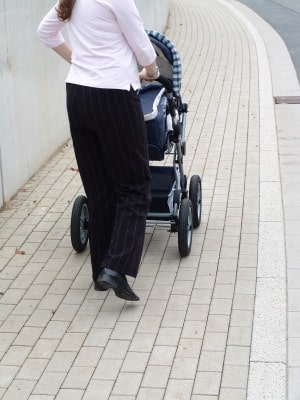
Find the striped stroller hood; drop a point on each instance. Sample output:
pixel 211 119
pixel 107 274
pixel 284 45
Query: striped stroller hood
pixel 172 56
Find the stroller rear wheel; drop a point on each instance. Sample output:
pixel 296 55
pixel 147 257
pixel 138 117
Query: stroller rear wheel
pixel 195 195
pixel 79 224
pixel 185 228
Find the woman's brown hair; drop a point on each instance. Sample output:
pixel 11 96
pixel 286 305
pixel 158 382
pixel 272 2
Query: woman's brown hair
pixel 64 10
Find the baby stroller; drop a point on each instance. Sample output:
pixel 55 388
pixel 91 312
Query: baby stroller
pixel 165 118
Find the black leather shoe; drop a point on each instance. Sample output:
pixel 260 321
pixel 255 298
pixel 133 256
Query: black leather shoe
pixel 99 288
pixel 111 279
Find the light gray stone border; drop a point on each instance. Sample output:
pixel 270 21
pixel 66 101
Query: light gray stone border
pixel 268 359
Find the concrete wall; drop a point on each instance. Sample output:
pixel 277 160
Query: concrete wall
pixel 154 13
pixel 33 121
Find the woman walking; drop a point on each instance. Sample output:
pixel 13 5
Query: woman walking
pixel 107 42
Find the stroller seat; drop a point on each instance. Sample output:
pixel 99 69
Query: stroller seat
pixel 154 105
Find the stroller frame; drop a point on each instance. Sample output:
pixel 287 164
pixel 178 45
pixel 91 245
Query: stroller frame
pixel 186 211
pixel 176 138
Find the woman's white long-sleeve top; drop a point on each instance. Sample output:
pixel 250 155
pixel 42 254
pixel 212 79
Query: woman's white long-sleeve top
pixel 108 40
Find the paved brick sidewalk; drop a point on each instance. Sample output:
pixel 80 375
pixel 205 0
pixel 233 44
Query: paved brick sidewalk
pixel 190 335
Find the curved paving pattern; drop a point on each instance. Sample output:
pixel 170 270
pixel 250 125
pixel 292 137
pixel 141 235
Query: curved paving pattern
pixel 190 335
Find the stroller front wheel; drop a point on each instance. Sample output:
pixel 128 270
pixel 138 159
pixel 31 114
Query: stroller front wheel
pixel 185 228
pixel 79 224
pixel 195 195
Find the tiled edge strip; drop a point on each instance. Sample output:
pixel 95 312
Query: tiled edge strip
pixel 267 374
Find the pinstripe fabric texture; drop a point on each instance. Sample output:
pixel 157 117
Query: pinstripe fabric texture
pixel 110 142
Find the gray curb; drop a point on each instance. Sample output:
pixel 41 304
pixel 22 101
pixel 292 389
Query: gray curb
pixel 268 374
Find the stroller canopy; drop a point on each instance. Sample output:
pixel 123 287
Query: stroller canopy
pixel 170 57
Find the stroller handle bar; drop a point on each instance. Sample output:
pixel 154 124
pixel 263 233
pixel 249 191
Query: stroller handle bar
pixel 166 82
pixel 168 85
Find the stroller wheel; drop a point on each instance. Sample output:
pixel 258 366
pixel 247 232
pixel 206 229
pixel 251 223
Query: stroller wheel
pixel 195 194
pixel 183 184
pixel 79 224
pixel 185 227
pixel 176 198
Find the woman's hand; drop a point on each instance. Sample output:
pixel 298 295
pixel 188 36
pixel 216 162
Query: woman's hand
pixel 64 51
pixel 149 76
pixel 143 75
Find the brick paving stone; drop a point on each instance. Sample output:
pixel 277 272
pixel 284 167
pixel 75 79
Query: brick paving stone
pixel 69 394
pixel 7 374
pixel 168 336
pixel 239 336
pixel 235 376
pixel 135 362
pixel 107 369
pixel 242 313
pixel 217 323
pixel 32 369
pixel 49 383
pixel 127 384
pixel 88 357
pixel 72 342
pixel 96 388
pixel 13 323
pixel 184 368
pixel 193 329
pixel 220 306
pixel 162 355
pixel 179 389
pixel 15 355
pixel 215 341
pixel 78 377
pixel 234 394
pixel 142 342
pixel 19 389
pixel 61 361
pixel 77 296
pixel 55 330
pixel 207 383
pixel 150 393
pixel 28 336
pixel 211 361
pixel 173 318
pixel 237 355
pixel 156 376
pixel 44 348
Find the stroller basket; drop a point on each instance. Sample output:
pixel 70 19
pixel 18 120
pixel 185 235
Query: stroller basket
pixel 163 180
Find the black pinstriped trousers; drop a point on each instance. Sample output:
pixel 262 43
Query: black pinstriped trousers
pixel 110 142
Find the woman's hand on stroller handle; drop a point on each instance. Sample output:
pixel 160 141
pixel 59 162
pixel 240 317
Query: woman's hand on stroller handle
pixel 166 82
pixel 145 75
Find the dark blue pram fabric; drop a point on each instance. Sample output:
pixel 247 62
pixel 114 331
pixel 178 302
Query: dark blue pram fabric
pixel 159 124
pixel 162 183
pixel 154 104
